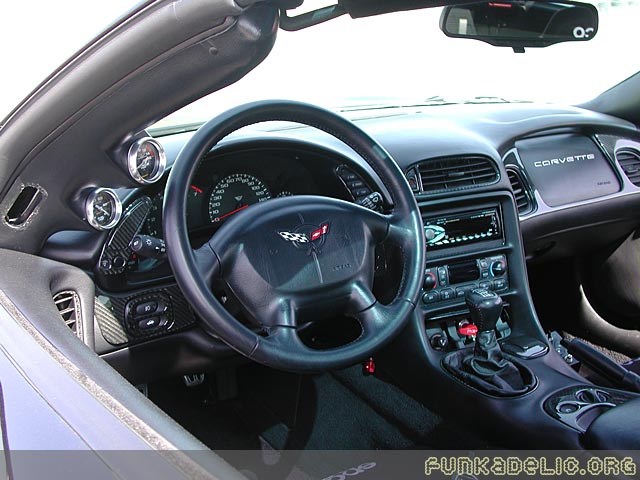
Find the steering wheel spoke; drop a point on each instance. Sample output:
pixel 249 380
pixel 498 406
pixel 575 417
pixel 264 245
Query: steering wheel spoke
pixel 207 263
pixel 400 231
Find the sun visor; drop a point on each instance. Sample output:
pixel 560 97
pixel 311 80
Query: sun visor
pixel 567 168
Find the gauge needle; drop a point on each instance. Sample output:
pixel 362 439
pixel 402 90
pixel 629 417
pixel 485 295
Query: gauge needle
pixel 232 212
pixel 102 209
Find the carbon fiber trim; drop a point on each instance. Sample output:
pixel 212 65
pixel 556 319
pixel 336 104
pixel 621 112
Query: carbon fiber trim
pixel 110 327
pixel 116 252
pixel 120 324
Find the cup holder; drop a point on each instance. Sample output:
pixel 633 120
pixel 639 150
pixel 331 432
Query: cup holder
pixel 579 407
pixel 592 395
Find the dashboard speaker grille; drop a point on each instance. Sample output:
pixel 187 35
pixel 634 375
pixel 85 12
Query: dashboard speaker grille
pixel 629 161
pixel 524 200
pixel 68 304
pixel 453 173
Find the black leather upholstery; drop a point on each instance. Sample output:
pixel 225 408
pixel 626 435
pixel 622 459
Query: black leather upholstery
pixel 616 429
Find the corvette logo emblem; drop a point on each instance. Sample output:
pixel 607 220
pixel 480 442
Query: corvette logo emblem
pixel 314 238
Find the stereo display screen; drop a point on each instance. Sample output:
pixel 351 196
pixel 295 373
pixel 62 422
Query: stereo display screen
pixel 463 228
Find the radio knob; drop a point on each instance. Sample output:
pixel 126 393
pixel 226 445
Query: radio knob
pixel 429 281
pixel 498 268
pixel 429 234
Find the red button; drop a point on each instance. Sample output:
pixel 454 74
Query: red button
pixel 370 367
pixel 468 330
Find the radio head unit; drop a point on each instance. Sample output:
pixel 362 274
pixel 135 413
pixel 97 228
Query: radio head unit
pixel 462 228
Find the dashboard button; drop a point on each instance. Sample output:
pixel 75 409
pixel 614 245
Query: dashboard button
pixel 461 291
pixel 361 192
pixel 447 294
pixel 499 284
pixel 149 323
pixel 119 262
pixel 431 297
pixel 147 308
pixel 442 275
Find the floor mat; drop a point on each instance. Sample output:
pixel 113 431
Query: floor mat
pixel 281 423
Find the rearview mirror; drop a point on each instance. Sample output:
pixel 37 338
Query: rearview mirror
pixel 520 24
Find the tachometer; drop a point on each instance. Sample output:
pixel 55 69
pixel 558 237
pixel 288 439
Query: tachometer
pixel 146 161
pixel 235 193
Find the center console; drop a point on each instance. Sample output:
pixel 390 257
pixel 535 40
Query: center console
pixel 469 247
pixel 482 373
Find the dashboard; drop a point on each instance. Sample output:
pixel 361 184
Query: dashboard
pixel 492 181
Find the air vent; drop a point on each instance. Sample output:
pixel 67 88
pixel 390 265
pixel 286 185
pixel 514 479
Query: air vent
pixel 453 173
pixel 68 305
pixel 629 161
pixel 520 191
pixel 24 205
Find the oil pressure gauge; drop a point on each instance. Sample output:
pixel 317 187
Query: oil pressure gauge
pixel 103 208
pixel 146 160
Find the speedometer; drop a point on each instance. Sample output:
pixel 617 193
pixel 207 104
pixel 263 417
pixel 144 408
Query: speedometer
pixel 235 193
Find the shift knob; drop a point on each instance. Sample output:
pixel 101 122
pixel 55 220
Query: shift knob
pixel 485 307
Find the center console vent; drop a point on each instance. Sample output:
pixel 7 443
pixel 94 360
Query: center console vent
pixel 454 173
pixel 524 200
pixel 68 304
pixel 629 161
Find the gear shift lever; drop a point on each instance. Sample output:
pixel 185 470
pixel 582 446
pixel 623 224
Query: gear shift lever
pixel 487 368
pixel 485 308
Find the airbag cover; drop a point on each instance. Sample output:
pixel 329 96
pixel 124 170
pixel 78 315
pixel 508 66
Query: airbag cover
pixel 567 168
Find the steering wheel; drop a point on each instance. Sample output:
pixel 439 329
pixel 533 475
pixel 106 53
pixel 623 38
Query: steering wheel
pixel 296 258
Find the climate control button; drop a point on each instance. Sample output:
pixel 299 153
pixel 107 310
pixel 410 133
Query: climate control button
pixel 498 268
pixel 430 281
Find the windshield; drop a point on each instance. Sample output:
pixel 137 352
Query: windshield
pixel 38 37
pixel 389 60
pixel 404 59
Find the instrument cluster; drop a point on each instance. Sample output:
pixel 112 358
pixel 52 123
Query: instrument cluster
pixel 225 185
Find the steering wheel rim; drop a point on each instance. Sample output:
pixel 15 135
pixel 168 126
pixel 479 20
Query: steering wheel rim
pixel 194 270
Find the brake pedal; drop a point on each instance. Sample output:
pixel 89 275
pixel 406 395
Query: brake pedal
pixel 193 380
